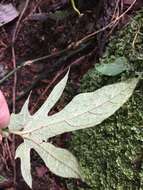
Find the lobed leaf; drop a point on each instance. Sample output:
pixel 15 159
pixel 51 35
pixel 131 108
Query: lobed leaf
pixel 85 110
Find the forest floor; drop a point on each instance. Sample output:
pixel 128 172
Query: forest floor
pixel 45 40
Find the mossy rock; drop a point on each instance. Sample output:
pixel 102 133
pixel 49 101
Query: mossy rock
pixel 111 154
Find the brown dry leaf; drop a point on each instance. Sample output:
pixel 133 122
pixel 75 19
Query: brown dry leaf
pixel 7 13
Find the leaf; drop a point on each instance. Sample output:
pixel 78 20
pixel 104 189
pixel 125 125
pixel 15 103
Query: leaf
pixel 85 110
pixel 113 69
pixel 7 13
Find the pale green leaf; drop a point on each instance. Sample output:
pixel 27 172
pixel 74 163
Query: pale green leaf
pixel 113 69
pixel 23 152
pixel 85 110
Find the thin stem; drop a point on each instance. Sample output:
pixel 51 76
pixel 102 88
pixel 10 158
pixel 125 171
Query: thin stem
pixel 11 73
pixel 29 62
pixel 75 8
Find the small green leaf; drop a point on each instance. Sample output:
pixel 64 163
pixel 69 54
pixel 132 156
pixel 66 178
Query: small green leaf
pixel 2 179
pixel 113 69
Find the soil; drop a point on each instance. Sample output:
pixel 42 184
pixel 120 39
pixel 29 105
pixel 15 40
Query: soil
pixel 48 28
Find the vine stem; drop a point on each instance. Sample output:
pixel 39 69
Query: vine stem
pixel 86 38
pixel 12 72
pixel 15 34
pixel 75 8
pixel 29 62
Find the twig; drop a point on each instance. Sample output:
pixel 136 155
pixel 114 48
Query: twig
pixel 122 5
pixel 15 77
pixel 34 9
pixel 15 81
pixel 8 150
pixel 12 72
pixel 13 109
pixel 75 8
pixel 135 38
pixel 16 31
pixel 86 38
pixel 4 156
pixel 29 62
pixel 116 9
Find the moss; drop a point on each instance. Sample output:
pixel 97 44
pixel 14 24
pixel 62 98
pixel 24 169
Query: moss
pixel 111 154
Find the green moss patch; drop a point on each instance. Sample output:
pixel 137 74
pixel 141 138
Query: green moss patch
pixel 111 154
